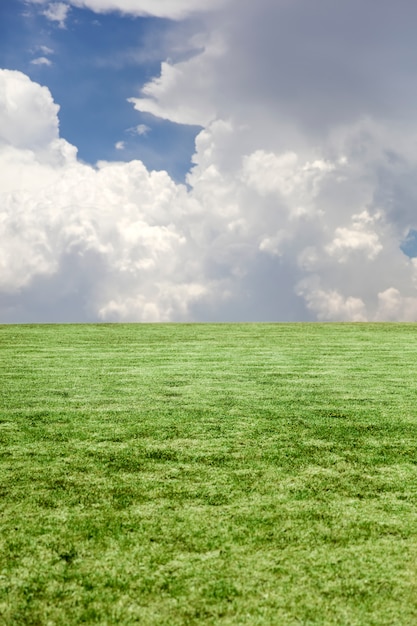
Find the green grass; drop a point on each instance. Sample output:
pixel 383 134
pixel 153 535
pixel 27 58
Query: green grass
pixel 208 474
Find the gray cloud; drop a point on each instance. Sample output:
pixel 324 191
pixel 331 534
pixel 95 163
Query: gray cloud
pixel 324 63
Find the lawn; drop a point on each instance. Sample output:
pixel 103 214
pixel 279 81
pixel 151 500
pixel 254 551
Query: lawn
pixel 247 474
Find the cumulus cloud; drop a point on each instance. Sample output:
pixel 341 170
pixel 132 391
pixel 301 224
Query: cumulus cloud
pixel 317 133
pixel 394 306
pixel 303 184
pixel 302 69
pixel 360 237
pixel 164 95
pixel 330 304
pixel 28 114
pixel 127 229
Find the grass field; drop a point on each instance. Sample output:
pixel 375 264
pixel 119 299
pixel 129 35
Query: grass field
pixel 259 474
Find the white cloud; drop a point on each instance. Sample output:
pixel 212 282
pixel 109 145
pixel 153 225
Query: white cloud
pixel 41 61
pixel 120 145
pixel 174 9
pixel 140 129
pixel 331 305
pixel 28 115
pixel 45 50
pixel 392 306
pixel 183 92
pixel 124 230
pixel 361 237
pixel 57 12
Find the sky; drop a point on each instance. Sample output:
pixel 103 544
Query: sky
pixel 208 160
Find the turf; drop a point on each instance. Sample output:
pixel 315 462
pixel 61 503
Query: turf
pixel 208 474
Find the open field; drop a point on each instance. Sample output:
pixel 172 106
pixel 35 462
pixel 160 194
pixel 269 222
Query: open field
pixel 208 474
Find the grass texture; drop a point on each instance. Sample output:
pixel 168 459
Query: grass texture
pixel 247 474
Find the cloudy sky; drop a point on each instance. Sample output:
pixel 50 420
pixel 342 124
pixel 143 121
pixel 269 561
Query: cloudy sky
pixel 208 160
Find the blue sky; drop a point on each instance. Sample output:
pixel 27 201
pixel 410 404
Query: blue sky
pixel 96 62
pixel 208 160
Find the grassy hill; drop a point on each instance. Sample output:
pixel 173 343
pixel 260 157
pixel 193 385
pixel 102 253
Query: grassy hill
pixel 248 474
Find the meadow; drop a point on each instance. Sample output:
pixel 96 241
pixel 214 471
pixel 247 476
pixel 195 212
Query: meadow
pixel 175 474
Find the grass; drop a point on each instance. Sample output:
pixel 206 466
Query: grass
pixel 208 474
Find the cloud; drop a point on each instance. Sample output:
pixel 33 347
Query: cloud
pixel 317 100
pixel 299 67
pixel 331 305
pixel 394 306
pixel 57 12
pixel 123 243
pixel 45 50
pixel 302 189
pixel 359 238
pixel 140 129
pixel 120 145
pixel 28 114
pixel 173 9
pixel 41 61
pixel 124 231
